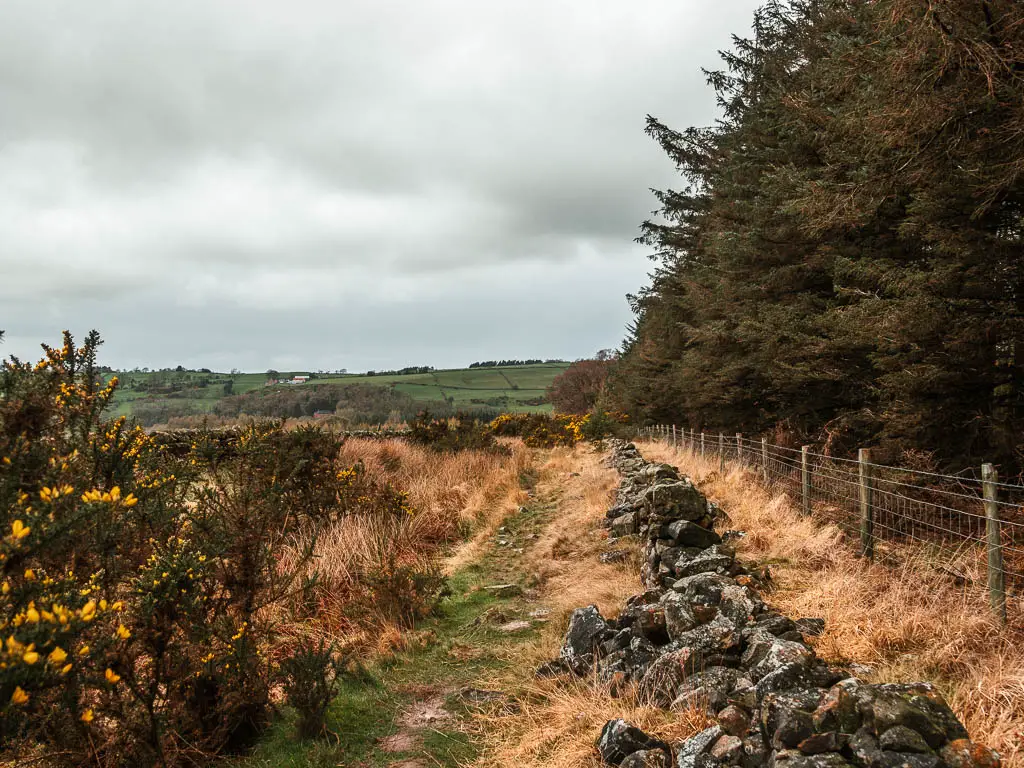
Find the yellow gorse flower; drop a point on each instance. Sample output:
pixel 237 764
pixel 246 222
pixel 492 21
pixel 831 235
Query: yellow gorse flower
pixel 19 696
pixel 112 676
pixel 57 656
pixel 123 632
pixel 19 530
pixel 86 716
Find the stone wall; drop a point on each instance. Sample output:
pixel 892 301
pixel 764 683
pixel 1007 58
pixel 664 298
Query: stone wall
pixel 699 635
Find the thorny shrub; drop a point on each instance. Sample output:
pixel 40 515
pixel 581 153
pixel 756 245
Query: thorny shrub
pixel 140 587
pixel 457 433
pixel 540 430
pixel 311 675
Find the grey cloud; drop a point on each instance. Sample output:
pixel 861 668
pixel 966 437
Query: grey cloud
pixel 222 157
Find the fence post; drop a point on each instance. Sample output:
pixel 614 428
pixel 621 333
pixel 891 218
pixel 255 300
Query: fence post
pixel 721 453
pixel 702 445
pixel 739 448
pixel 805 480
pixel 764 457
pixel 867 520
pixel 693 439
pixel 674 443
pixel 996 574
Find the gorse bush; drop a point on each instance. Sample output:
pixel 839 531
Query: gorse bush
pixel 457 433
pixel 311 677
pixel 539 430
pixel 140 587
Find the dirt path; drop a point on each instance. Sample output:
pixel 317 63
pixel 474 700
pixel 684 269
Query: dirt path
pixel 466 679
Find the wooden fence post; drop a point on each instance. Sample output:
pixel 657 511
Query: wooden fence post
pixel 764 457
pixel 996 574
pixel 721 453
pixel 805 480
pixel 739 448
pixel 693 439
pixel 702 445
pixel 674 443
pixel 867 519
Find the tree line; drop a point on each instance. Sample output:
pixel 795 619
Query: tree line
pixel 841 262
pixel 511 363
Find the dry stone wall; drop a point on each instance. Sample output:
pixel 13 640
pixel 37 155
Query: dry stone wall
pixel 699 635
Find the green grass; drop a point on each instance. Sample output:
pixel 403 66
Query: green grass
pixel 506 388
pixel 366 709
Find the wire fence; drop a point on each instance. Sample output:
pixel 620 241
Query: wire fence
pixel 973 527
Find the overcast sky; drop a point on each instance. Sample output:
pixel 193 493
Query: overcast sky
pixel 327 184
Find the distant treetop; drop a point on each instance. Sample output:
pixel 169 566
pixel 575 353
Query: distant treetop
pixel 507 363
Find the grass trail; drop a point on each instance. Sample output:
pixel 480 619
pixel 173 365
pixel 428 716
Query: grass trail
pixel 420 706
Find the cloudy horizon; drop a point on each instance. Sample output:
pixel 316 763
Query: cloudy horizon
pixel 350 185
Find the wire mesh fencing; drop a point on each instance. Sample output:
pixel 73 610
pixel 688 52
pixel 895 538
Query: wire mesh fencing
pixel 971 525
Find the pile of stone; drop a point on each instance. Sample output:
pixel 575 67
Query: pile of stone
pixel 699 635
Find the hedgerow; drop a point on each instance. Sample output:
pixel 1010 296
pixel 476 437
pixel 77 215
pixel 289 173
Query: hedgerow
pixel 140 588
pixel 540 430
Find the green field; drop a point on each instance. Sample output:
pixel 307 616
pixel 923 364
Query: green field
pixel 509 388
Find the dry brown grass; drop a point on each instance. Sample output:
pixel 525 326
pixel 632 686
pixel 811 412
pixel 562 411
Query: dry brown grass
pixel 908 623
pixel 451 494
pixel 558 720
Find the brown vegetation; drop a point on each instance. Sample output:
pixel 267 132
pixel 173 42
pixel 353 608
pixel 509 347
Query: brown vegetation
pixel 911 623
pixel 558 720
pixel 378 574
pixel 578 387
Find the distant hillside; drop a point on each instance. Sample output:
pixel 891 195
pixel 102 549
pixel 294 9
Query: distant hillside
pixel 153 397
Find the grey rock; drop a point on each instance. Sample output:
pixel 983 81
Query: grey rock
pixel 755 751
pixel 740 603
pixel 648 620
pixel 900 738
pixel 587 630
pixel 665 674
pixel 795 759
pixel 707 690
pixel 617 642
pixel 619 739
pixel 703 564
pixel 690 752
pixel 625 525
pixel 684 533
pixel 774 624
pixel 718 636
pixel 909 760
pixel 647 758
pixel 727 750
pixel 829 741
pixel 679 617
pixel 703 588
pixel 678 498
pixel 838 710
pixel 781 653
pixel 787 718
pixel 918 706
pixel 791 677
pixel 734 720
pixel 626 665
